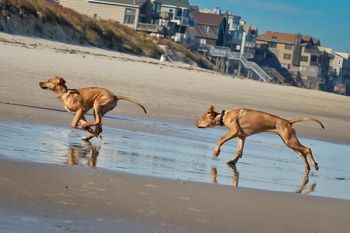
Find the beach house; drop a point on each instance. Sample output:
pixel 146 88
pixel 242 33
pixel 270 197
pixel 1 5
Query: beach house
pixel 208 29
pixel 299 54
pixel 339 70
pixel 132 13
pixel 175 16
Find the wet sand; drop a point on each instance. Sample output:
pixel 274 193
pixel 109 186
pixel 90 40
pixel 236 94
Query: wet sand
pixel 79 199
pixel 40 197
pixel 267 163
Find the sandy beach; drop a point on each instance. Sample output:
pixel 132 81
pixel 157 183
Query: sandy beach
pixel 38 197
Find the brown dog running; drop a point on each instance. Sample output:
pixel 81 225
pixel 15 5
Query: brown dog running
pixel 80 101
pixel 245 122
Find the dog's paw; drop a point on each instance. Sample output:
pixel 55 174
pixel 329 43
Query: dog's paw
pixel 216 152
pixel 317 167
pixel 86 138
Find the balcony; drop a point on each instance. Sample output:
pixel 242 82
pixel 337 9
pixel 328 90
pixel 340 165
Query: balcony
pixel 146 27
pixel 166 15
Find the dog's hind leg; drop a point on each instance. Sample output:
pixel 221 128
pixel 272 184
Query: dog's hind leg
pixel 309 153
pixel 289 137
pixel 97 117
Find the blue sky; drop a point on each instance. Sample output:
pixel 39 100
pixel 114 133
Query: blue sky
pixel 328 20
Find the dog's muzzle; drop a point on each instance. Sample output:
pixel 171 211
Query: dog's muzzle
pixel 42 85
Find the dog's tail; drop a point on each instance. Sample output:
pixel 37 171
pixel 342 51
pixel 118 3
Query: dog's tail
pixel 119 97
pixel 292 121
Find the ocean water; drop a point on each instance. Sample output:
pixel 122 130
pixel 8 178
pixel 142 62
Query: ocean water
pixel 183 152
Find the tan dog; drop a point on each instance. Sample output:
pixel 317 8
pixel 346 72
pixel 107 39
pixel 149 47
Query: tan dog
pixel 80 101
pixel 245 122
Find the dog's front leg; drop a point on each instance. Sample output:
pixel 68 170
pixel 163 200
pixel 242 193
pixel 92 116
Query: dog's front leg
pixel 231 134
pixel 239 151
pixel 79 116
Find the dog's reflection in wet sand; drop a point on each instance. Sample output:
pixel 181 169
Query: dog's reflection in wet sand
pixel 235 175
pixel 303 188
pixel 77 153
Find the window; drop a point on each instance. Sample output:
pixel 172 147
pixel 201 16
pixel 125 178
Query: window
pixel 287 56
pixel 178 13
pixel 272 44
pixel 304 58
pixel 288 46
pixel 314 58
pixel 203 41
pixel 286 66
pixel 156 7
pixel 171 14
pixel 129 17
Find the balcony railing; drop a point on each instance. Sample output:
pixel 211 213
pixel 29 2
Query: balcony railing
pixel 166 15
pixel 146 27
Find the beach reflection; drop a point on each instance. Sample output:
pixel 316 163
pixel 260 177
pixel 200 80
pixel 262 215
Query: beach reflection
pixel 83 154
pixel 235 175
pixel 183 153
pixel 303 188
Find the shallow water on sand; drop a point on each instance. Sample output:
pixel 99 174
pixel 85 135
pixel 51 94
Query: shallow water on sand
pixel 183 152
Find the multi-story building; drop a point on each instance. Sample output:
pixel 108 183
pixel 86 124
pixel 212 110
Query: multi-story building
pixel 127 12
pixel 241 37
pixel 299 54
pixel 233 38
pixel 208 29
pixel 339 69
pixel 248 44
pixel 175 16
pixel 175 11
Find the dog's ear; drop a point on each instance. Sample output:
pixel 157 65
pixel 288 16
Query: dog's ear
pixel 61 81
pixel 211 109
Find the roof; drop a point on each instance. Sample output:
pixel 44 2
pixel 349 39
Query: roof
pixel 136 3
pixel 285 38
pixel 331 51
pixel 200 32
pixel 208 18
pixel 178 3
pixel 343 55
pixel 325 49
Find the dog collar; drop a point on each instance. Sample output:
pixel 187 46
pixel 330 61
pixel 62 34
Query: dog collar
pixel 222 118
